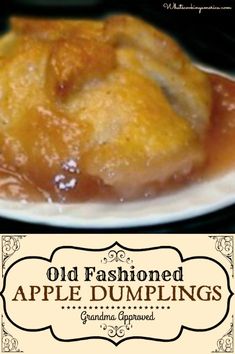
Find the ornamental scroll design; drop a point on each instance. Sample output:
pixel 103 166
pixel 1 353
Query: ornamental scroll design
pixel 226 343
pixel 116 256
pixel 10 245
pixel 116 331
pixel 9 344
pixel 225 245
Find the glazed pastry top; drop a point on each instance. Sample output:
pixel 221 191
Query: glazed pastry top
pixel 114 101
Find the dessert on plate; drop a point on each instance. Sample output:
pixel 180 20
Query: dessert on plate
pixel 104 109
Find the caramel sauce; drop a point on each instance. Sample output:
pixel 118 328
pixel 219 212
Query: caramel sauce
pixel 220 142
pixel 219 146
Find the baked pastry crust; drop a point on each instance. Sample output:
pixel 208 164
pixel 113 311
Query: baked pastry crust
pixel 114 101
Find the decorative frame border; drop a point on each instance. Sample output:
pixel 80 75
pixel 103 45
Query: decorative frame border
pixel 117 244
pixel 226 343
pixel 9 344
pixel 10 244
pixel 224 244
pixel 116 256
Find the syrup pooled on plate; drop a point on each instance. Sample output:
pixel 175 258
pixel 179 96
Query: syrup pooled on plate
pixel 220 142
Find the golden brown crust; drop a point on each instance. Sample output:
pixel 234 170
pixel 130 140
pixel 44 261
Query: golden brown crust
pixel 54 29
pixel 154 54
pixel 125 30
pixel 118 97
pixel 74 62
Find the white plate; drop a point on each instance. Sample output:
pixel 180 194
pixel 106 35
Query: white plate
pixel 198 199
pixel 195 200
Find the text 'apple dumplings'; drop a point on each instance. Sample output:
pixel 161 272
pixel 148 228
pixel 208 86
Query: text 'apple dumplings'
pixel 93 109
